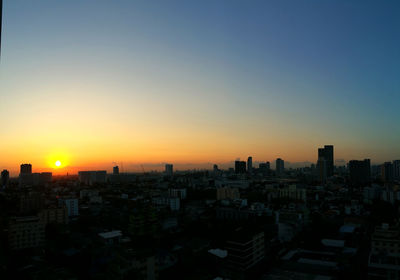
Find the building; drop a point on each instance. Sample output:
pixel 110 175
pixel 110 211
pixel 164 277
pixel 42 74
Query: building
pixel 116 170
pixel 173 203
pixel 175 192
pixel 280 167
pixel 169 170
pixel 71 204
pixel 293 192
pixel 5 177
pixel 31 202
pixel 387 172
pixel 57 215
pixel 245 249
pixel 264 167
pixel 92 177
pixel 26 232
pixel 240 167
pixel 26 168
pixel 228 193
pixel 360 172
pixel 25 175
pixel 384 257
pixel 249 164
pixel 27 178
pixel 396 170
pixel 326 154
pixel 322 170
pixel 111 237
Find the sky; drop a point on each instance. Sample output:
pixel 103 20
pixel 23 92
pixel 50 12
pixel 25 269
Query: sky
pixel 93 82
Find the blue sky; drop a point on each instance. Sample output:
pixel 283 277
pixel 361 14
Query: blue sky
pixel 272 78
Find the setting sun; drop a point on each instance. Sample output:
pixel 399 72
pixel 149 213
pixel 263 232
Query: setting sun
pixel 58 163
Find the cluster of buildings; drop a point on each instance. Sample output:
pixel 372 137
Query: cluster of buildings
pixel 246 222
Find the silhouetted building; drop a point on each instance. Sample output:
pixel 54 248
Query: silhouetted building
pixel 240 167
pixel 322 169
pixel 169 169
pixel 25 175
pixel 249 164
pixel 396 170
pixel 5 176
pixel 26 168
pixel 360 172
pixel 264 167
pixel 387 172
pixel 326 154
pixel 115 170
pixel 280 166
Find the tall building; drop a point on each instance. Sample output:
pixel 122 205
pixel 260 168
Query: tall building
pixel 5 176
pixel 116 170
pixel 326 154
pixel 249 164
pixel 387 172
pixel 322 169
pixel 26 168
pixel 169 169
pixel 396 170
pixel 280 166
pixel 240 167
pixel 360 172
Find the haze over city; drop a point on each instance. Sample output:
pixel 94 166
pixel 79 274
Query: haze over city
pixel 93 82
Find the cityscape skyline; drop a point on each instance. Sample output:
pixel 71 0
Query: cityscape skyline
pixel 60 168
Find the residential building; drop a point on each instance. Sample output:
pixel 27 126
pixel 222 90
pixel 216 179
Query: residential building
pixel 26 232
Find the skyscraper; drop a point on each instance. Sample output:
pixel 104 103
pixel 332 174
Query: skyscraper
pixel 169 169
pixel 322 169
pixel 240 167
pixel 116 170
pixel 326 154
pixel 396 170
pixel 360 172
pixel 249 164
pixel 280 166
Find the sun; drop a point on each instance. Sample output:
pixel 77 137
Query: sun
pixel 58 163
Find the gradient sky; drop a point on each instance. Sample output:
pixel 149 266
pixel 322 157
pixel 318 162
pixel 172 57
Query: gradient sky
pixel 92 82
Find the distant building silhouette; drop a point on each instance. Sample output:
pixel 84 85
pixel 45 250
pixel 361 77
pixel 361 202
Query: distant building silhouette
pixel 26 168
pixel 249 164
pixel 396 170
pixel 360 172
pixel 322 169
pixel 169 169
pixel 326 154
pixel 240 167
pixel 387 172
pixel 116 170
pixel 5 176
pixel 280 166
